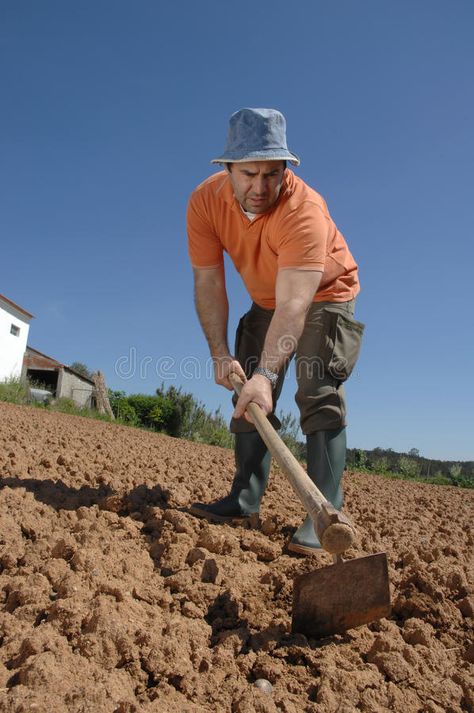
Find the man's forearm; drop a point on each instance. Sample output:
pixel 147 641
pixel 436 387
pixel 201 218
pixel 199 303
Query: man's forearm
pixel 213 311
pixel 283 334
pixel 295 292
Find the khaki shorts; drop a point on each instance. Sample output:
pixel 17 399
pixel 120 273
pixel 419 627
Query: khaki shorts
pixel 325 357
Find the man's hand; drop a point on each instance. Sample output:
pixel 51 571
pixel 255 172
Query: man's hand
pixel 223 366
pixel 257 390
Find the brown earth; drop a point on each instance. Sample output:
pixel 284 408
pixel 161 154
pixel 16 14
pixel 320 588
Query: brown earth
pixel 114 599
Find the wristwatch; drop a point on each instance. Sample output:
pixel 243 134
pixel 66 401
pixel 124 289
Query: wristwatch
pixel 270 375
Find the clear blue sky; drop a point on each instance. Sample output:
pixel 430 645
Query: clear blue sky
pixel 111 112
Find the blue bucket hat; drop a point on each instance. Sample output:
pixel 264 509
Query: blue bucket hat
pixel 257 135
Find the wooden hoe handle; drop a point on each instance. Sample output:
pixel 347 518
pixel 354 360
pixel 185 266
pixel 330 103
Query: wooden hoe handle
pixel 335 531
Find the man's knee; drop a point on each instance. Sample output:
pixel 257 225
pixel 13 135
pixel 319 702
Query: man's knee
pixel 322 409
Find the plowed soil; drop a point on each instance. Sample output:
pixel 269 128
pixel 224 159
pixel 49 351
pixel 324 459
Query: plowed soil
pixel 114 599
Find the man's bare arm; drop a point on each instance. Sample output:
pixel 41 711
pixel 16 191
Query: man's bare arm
pixel 295 290
pixel 212 307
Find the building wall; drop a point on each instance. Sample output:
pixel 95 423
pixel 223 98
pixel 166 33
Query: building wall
pixel 73 387
pixel 12 348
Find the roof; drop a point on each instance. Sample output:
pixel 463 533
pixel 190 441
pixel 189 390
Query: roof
pixel 45 356
pixel 15 306
pixel 56 363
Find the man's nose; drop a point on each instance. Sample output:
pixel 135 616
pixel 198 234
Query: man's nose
pixel 259 185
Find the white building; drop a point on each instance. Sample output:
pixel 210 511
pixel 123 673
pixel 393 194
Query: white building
pixel 14 328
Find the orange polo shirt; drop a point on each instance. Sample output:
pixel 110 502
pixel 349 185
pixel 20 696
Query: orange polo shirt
pixel 296 232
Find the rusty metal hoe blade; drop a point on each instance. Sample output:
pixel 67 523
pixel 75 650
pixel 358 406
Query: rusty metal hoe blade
pixel 342 596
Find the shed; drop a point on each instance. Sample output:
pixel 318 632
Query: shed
pixel 61 380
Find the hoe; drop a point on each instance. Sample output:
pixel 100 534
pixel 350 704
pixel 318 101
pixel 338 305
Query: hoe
pixel 347 593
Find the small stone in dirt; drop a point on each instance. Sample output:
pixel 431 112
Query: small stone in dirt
pixel 190 610
pixel 63 549
pixel 263 685
pixel 217 542
pixel 417 631
pixel 179 520
pixel 210 571
pixel 457 583
pixel 194 555
pixel 466 607
pixel 269 526
pixel 266 550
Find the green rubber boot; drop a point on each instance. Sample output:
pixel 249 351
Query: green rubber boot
pixel 326 456
pixel 252 461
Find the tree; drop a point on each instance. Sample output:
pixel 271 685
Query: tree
pixel 455 470
pixel 408 467
pixel 81 369
pixel 380 464
pixel 414 453
pixel 455 473
pixel 360 458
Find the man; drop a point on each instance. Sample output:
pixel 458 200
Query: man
pixel 303 282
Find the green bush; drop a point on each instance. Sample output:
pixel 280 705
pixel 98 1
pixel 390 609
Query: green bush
pixel 155 412
pixel 440 480
pixel 125 413
pixel 142 404
pixel 192 421
pixel 116 398
pixel 358 459
pixel 122 409
pixel 408 467
pixel 380 465
pixel 212 430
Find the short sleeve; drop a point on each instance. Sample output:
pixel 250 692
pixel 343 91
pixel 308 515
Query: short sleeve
pixel 205 248
pixel 303 238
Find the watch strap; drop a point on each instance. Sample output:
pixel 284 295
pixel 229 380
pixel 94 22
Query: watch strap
pixel 270 375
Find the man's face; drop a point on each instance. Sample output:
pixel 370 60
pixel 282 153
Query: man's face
pixel 257 184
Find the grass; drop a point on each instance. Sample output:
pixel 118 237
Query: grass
pixel 458 482
pixel 14 391
pixel 65 405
